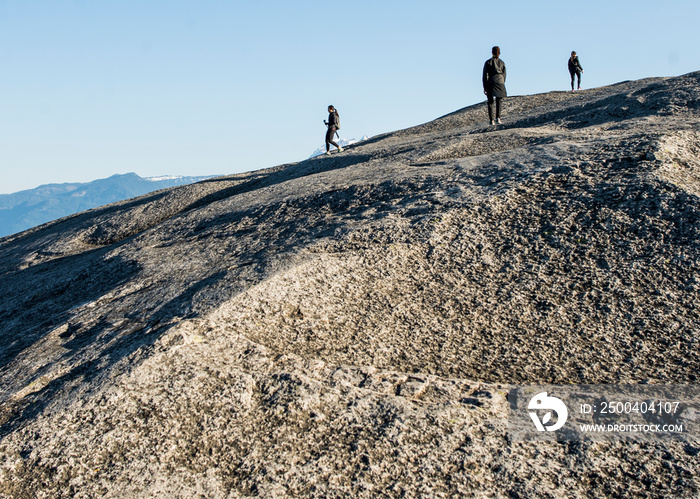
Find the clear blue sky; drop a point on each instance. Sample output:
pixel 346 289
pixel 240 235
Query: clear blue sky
pixel 93 88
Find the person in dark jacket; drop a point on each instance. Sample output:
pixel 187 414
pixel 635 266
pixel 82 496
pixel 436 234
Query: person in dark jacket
pixel 333 124
pixel 494 80
pixel 575 70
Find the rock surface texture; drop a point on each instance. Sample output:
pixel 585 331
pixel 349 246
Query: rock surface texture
pixel 348 326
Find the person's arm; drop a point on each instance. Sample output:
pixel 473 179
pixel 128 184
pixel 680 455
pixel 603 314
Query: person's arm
pixel 485 76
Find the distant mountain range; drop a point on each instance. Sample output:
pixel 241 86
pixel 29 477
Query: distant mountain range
pixel 25 209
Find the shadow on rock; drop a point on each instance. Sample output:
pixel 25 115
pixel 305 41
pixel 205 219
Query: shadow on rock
pixel 38 299
pixel 279 175
pixel 93 352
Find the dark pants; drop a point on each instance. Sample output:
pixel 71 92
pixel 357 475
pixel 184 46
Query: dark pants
pixel 491 98
pixel 574 74
pixel 329 138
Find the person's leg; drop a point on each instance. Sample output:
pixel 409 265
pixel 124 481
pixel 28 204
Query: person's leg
pixel 489 97
pixel 498 108
pixel 578 74
pixel 572 80
pixel 332 132
pixel 329 139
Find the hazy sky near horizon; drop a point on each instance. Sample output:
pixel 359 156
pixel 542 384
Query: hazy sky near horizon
pixel 89 89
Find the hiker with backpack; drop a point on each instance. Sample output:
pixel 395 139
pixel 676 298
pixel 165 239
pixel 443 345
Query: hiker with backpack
pixel 575 69
pixel 333 125
pixel 494 81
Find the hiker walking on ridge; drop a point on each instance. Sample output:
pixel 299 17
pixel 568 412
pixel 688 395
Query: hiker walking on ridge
pixel 333 125
pixel 575 69
pixel 494 80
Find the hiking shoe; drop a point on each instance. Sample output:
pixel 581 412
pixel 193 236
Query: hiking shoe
pixel 328 153
pixel 340 149
pixel 493 123
pixel 499 121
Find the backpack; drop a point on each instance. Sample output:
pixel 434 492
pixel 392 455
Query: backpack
pixel 337 120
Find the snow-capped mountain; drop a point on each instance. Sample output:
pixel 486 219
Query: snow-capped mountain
pixel 341 143
pixel 25 209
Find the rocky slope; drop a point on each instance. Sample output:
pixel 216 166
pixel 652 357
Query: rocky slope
pixel 350 325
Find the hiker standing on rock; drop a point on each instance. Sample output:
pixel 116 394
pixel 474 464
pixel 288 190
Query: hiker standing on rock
pixel 333 125
pixel 575 69
pixel 494 80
